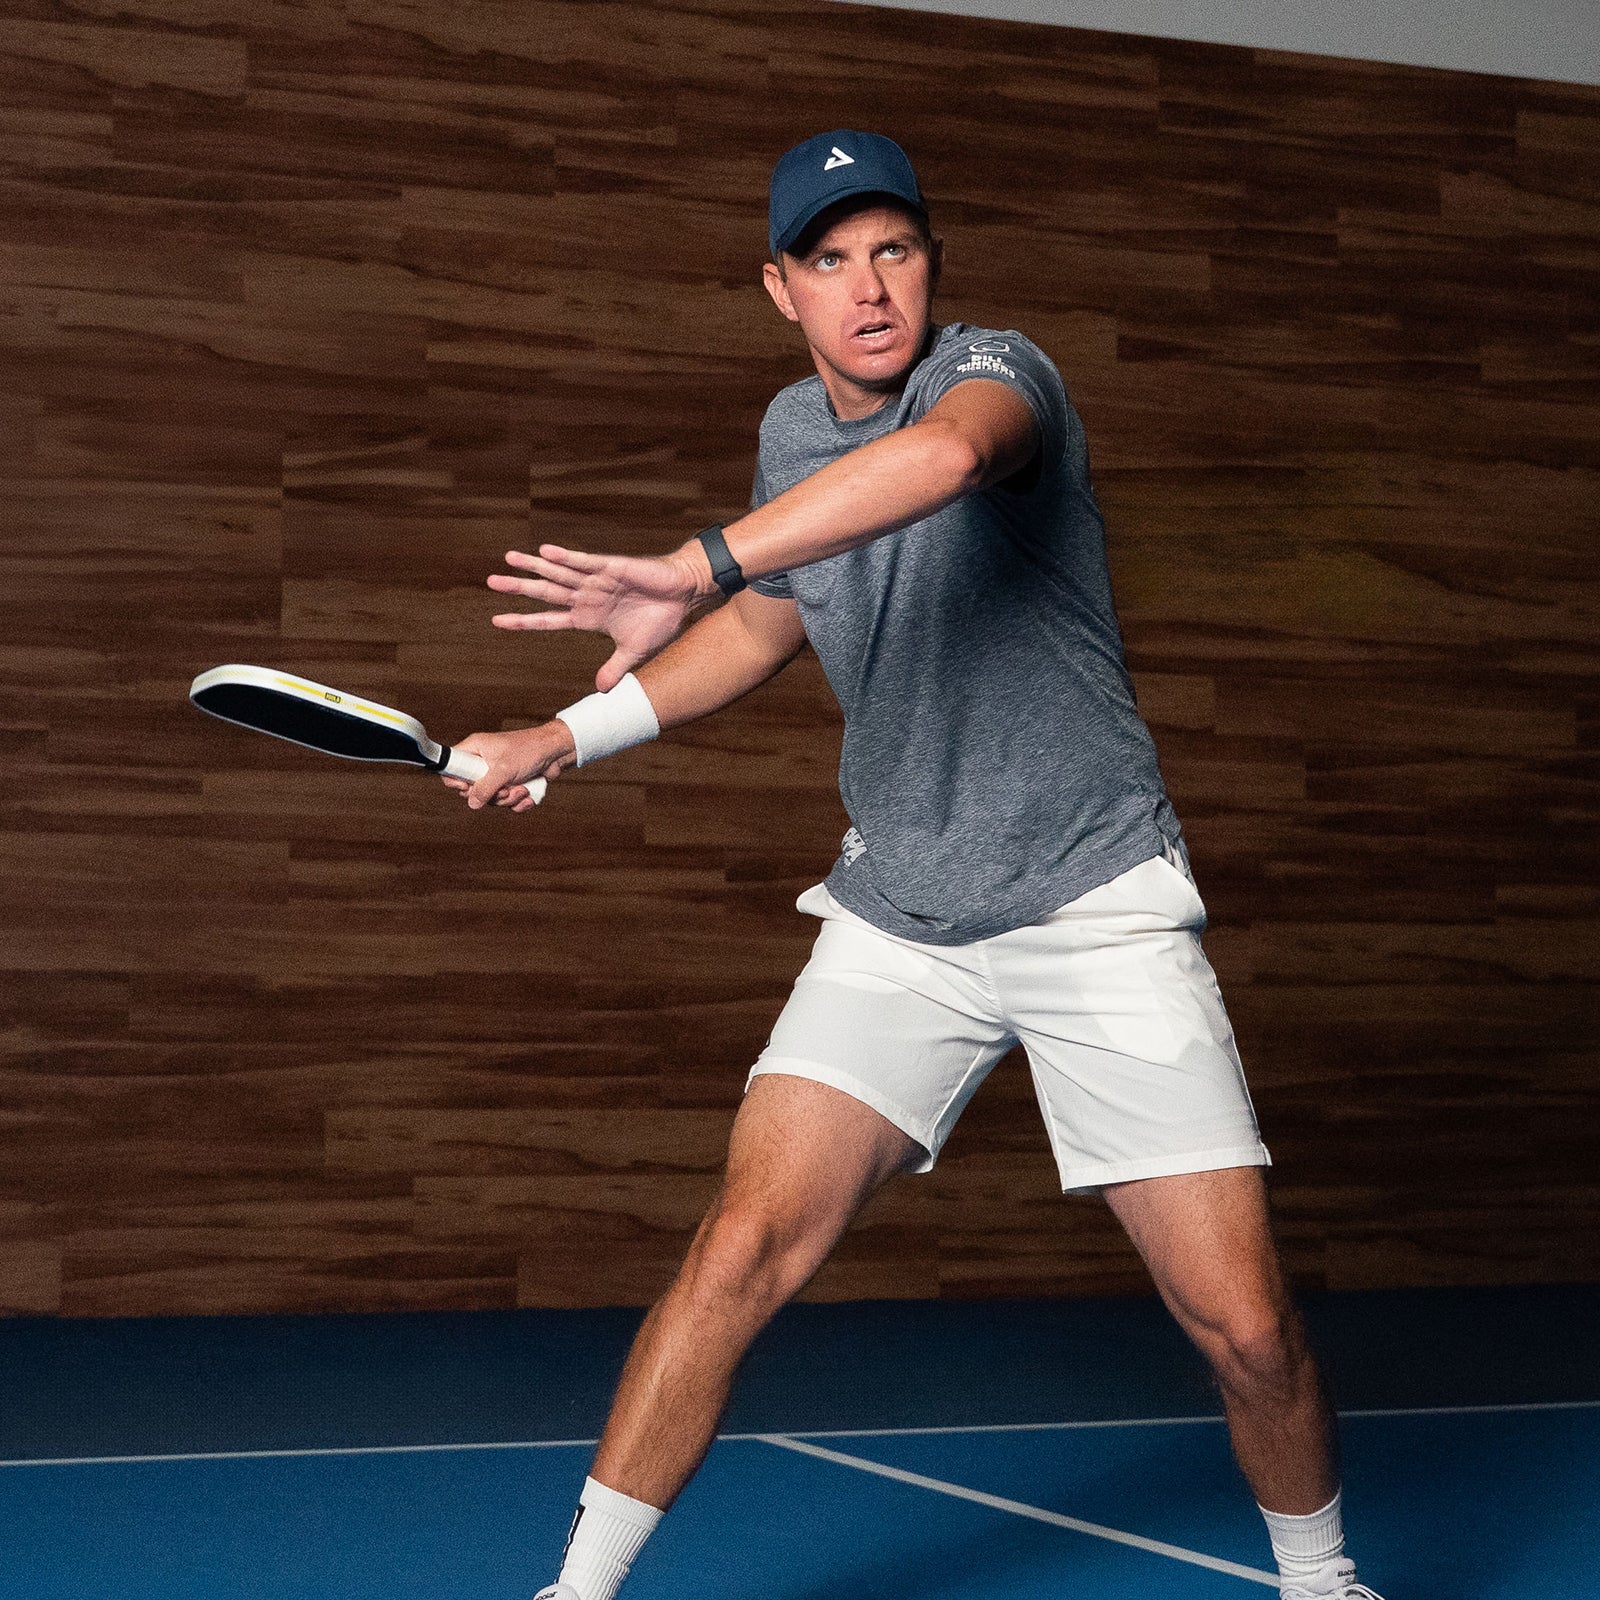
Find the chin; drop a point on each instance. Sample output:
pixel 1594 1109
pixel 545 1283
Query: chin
pixel 886 374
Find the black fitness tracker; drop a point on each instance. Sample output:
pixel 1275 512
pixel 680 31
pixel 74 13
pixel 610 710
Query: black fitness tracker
pixel 730 580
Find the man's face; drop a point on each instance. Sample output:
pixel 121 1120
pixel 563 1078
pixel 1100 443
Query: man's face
pixel 862 292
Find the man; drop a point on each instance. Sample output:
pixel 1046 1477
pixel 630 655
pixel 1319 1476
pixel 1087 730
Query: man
pixel 923 514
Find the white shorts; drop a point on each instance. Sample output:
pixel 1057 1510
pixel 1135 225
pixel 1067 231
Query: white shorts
pixel 1132 1056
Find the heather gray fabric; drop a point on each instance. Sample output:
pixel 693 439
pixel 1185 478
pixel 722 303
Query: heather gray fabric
pixel 994 764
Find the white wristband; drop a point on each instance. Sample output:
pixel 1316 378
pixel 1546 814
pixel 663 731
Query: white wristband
pixel 603 724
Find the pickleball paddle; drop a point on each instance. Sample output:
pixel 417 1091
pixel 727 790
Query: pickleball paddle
pixel 320 718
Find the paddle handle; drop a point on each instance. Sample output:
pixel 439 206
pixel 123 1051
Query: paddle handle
pixel 463 764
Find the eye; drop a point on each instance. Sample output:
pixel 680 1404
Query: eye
pixel 827 260
pixel 894 249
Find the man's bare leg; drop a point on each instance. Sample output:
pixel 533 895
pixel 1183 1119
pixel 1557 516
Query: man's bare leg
pixel 1208 1243
pixel 1207 1240
pixel 802 1160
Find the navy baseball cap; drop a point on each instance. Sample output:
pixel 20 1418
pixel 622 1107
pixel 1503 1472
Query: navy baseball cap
pixel 829 166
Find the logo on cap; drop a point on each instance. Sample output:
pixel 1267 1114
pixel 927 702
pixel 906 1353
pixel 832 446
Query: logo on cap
pixel 826 168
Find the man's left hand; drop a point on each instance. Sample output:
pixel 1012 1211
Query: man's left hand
pixel 642 602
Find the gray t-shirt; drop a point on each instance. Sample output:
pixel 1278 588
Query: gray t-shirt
pixel 994 764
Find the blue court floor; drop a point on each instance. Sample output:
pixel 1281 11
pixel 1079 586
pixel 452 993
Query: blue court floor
pixel 1068 1449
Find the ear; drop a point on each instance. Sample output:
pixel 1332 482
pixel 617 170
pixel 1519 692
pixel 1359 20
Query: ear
pixel 779 290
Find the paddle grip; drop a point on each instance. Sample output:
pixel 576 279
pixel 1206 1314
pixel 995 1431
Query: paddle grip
pixel 463 764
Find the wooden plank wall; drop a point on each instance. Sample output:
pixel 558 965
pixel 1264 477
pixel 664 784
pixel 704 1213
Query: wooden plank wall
pixel 308 312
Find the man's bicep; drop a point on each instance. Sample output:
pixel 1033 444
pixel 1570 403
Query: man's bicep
pixel 995 420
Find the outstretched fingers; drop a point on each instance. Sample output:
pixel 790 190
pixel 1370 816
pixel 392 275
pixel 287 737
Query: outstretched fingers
pixel 577 560
pixel 559 594
pixel 556 562
pixel 533 619
pixel 567 576
pixel 563 577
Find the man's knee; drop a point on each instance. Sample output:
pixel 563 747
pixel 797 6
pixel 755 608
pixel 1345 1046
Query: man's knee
pixel 751 1257
pixel 1256 1349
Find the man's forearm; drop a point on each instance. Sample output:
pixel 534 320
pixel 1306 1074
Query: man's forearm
pixel 876 489
pixel 709 665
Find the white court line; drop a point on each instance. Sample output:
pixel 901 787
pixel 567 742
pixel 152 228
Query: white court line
pixel 994 1427
pixel 1467 1411
pixel 1036 1513
pixel 736 1438
pixel 275 1455
pixel 1157 1422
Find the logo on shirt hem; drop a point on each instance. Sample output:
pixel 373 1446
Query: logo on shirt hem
pixel 852 846
pixel 993 347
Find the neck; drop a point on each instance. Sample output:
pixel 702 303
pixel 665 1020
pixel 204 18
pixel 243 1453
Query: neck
pixel 851 401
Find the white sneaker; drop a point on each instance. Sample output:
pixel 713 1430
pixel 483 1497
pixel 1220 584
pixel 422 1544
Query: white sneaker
pixel 1336 1581
pixel 560 1591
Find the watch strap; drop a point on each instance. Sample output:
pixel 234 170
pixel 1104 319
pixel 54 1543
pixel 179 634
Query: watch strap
pixel 726 570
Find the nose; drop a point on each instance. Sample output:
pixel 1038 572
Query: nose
pixel 869 285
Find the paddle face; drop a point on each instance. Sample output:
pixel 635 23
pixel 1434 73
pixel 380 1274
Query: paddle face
pixel 320 718
pixel 313 715
pixel 321 727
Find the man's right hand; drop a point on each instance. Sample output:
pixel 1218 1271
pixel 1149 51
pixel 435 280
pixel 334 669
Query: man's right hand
pixel 515 760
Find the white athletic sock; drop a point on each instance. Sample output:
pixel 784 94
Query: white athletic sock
pixel 607 1534
pixel 1303 1546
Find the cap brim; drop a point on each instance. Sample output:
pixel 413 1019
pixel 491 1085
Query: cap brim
pixel 806 218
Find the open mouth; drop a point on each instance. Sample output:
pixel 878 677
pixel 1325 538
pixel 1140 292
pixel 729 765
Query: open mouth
pixel 875 333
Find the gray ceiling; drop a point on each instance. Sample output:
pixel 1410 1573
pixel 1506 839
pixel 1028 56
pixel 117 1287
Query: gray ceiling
pixel 1556 39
